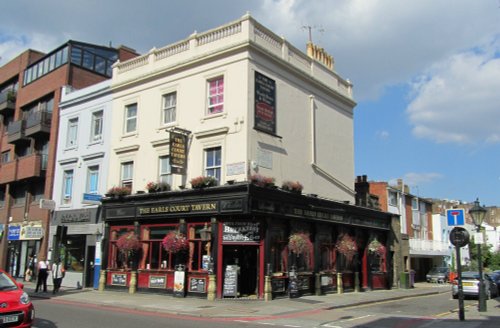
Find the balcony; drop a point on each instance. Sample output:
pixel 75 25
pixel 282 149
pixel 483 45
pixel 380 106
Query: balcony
pixel 429 247
pixel 27 167
pixel 16 132
pixel 38 123
pixel 7 102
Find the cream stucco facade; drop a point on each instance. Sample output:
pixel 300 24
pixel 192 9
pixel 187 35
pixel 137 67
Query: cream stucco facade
pixel 313 139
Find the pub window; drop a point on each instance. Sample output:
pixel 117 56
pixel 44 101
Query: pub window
pixel 154 256
pixel 117 259
pixel 279 251
pixel 328 257
pixel 197 247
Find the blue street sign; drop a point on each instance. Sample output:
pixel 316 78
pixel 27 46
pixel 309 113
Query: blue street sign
pixel 455 217
pixel 14 232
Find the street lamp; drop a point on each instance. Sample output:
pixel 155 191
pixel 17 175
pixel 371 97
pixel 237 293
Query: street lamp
pixel 477 212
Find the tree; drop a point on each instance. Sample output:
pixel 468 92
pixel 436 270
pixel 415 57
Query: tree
pixel 486 255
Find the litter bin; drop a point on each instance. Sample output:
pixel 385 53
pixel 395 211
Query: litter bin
pixel 412 278
pixel 404 280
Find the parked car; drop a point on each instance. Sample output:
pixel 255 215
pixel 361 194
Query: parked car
pixel 438 274
pixel 495 276
pixel 470 285
pixel 16 309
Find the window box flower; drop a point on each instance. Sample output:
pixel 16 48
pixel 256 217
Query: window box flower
pixel 157 186
pixel 292 186
pixel 203 182
pixel 175 242
pixel 118 191
pixel 262 181
pixel 300 243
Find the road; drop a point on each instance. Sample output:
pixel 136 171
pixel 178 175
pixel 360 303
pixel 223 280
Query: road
pixel 430 311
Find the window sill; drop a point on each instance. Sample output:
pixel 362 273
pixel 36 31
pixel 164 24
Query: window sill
pixel 129 135
pixel 213 116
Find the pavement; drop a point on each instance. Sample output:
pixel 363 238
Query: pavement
pixel 252 309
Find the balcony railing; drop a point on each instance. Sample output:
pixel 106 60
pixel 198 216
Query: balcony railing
pixel 7 101
pixel 16 132
pixel 37 123
pixel 23 168
pixel 429 247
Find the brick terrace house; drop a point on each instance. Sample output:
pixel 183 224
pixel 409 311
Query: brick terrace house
pixel 30 91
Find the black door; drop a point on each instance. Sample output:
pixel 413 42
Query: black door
pixel 246 257
pixel 89 267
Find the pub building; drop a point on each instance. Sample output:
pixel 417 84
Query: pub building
pixel 255 242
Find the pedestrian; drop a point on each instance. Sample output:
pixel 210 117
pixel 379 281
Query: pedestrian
pixel 57 275
pixel 28 275
pixel 43 268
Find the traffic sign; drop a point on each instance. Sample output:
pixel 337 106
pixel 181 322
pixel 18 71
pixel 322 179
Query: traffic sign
pixel 459 237
pixel 455 216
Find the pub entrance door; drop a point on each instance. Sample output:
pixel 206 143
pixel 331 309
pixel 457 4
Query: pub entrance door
pixel 247 259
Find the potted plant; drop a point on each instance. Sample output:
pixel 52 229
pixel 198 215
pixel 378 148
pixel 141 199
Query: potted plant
pixel 375 247
pixel 262 181
pixel 203 182
pixel 175 242
pixel 292 186
pixel 299 243
pixel 346 245
pixel 118 191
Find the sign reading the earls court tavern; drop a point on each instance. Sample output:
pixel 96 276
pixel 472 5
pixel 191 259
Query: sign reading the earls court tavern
pixel 178 208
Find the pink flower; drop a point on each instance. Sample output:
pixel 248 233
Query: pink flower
pixel 175 242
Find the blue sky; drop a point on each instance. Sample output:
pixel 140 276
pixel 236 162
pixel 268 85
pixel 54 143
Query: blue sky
pixel 426 73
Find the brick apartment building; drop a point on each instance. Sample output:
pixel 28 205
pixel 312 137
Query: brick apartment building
pixel 30 91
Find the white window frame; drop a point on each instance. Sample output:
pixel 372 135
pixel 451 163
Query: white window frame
pixel 96 127
pixel 127 174
pixel 67 185
pixel 129 118
pixel 217 168
pixel 169 107
pixel 211 107
pixel 164 170
pixel 72 134
pixel 92 170
pixel 393 198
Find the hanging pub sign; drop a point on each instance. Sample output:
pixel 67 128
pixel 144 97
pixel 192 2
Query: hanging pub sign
pixel 265 104
pixel 178 153
pixel 240 232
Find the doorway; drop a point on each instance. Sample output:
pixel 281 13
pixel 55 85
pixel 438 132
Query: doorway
pixel 246 258
pixel 89 267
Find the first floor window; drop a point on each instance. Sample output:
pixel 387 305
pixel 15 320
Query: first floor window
pixel 6 157
pixel 67 186
pixel 93 179
pixel 213 162
pixel 127 174
pixel 71 137
pixel 96 132
pixel 165 171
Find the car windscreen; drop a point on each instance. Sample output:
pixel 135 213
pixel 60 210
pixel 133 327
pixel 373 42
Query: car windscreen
pixel 6 283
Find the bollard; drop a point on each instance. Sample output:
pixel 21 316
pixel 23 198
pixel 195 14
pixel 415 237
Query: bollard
pixel 133 282
pixel 102 280
pixel 340 284
pixel 212 287
pixel 268 293
pixel 356 282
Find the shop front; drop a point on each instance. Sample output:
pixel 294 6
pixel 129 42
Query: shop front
pixel 243 241
pixel 24 240
pixel 75 235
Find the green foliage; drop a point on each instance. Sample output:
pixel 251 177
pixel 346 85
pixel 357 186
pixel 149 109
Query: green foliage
pixel 486 255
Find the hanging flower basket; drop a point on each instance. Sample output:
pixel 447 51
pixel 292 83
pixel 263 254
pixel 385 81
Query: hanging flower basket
pixel 299 243
pixel 262 181
pixel 128 243
pixel 376 247
pixel 292 186
pixel 175 242
pixel 346 245
pixel 203 182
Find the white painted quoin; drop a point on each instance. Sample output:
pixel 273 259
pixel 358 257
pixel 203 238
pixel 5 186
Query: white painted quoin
pixel 313 139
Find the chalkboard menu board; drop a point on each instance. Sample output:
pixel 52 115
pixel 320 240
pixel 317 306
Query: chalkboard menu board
pixel 304 283
pixel 157 281
pixel 278 285
pixel 119 279
pixel 241 232
pixel 231 281
pixel 197 285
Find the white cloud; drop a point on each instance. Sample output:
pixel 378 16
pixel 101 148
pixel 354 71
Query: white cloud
pixel 414 179
pixel 458 99
pixel 382 134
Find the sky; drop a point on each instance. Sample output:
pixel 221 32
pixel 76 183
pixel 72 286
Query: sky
pixel 426 73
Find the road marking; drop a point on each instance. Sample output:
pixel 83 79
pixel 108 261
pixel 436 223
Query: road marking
pixel 292 326
pixel 267 323
pixel 357 318
pixel 244 321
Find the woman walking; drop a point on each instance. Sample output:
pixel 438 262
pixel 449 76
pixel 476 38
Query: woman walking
pixel 42 267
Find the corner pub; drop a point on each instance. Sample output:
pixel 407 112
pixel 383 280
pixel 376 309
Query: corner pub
pixel 243 240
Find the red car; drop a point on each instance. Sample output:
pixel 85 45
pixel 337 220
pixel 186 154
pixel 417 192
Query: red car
pixel 16 309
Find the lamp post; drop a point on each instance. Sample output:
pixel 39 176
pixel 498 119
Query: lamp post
pixel 477 212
